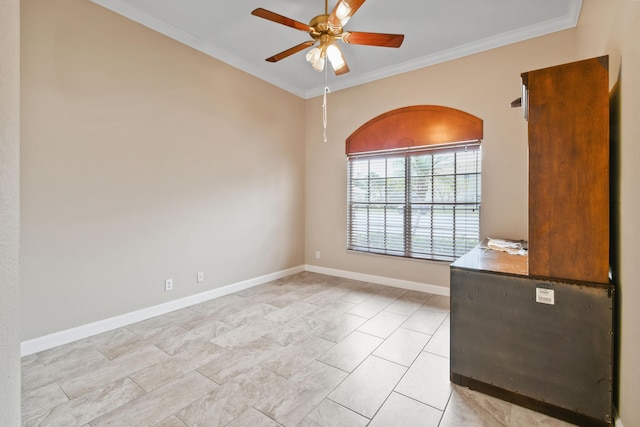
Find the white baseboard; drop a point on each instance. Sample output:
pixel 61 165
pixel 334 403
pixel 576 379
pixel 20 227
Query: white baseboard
pixel 55 339
pixel 381 280
pixel 617 422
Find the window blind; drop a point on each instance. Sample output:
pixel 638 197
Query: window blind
pixel 418 203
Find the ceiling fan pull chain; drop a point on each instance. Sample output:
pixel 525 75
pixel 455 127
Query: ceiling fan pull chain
pixel 324 111
pixel 324 103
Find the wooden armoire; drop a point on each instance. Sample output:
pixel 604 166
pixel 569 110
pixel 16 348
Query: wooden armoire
pixel 538 329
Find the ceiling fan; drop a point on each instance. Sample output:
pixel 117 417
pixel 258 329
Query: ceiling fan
pixel 325 30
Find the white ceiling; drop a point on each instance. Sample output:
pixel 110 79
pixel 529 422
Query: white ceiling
pixel 435 31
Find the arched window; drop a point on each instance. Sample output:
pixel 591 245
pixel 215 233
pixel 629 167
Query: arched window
pixel 414 183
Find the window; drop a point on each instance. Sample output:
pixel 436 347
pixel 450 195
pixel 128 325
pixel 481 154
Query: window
pixel 418 203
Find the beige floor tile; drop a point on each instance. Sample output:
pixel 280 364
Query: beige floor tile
pixel 469 408
pixel 294 330
pixel 207 330
pixel 76 363
pixel 525 417
pixel 37 403
pixel 251 313
pixel 403 346
pixel 441 302
pixel 309 283
pixel 83 349
pixel 358 295
pixel 401 411
pixel 370 307
pixel 32 359
pixel 439 342
pixel 171 421
pixel 238 360
pixel 271 288
pixel 417 296
pixel 427 380
pixel 302 393
pixel 295 358
pixel 290 312
pixel 120 367
pixel 332 310
pixel 262 293
pixel 161 373
pixel 159 404
pixel 33 372
pixel 405 306
pixel 335 330
pixel 426 320
pixel 366 389
pixel 113 350
pixel 218 308
pixel 156 324
pixel 253 418
pixel 119 337
pixel 245 334
pixel 383 324
pixel 203 318
pixel 288 298
pixel 326 296
pixel 351 351
pixel 329 413
pixel 92 405
pixel 222 405
pixel 389 292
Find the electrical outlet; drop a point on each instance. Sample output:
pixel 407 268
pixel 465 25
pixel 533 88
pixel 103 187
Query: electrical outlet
pixel 317 254
pixel 168 284
pixel 200 276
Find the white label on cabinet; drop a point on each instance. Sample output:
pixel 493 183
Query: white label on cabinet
pixel 545 296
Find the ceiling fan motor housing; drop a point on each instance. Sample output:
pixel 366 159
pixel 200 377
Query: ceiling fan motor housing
pixel 319 27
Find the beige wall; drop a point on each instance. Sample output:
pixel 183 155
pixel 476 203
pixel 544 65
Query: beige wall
pixel 483 85
pixel 143 160
pixel 9 213
pixel 624 37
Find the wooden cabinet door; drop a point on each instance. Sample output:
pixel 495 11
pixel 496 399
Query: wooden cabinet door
pixel 568 113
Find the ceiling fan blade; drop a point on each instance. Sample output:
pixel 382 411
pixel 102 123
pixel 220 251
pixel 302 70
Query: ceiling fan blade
pixel 290 51
pixel 373 39
pixel 343 11
pixel 279 19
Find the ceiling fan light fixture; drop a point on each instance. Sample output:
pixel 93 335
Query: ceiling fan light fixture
pixel 316 58
pixel 335 56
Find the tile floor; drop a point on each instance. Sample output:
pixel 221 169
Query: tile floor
pixel 306 350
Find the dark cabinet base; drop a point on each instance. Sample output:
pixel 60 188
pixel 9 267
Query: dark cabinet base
pixel 542 344
pixel 527 402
